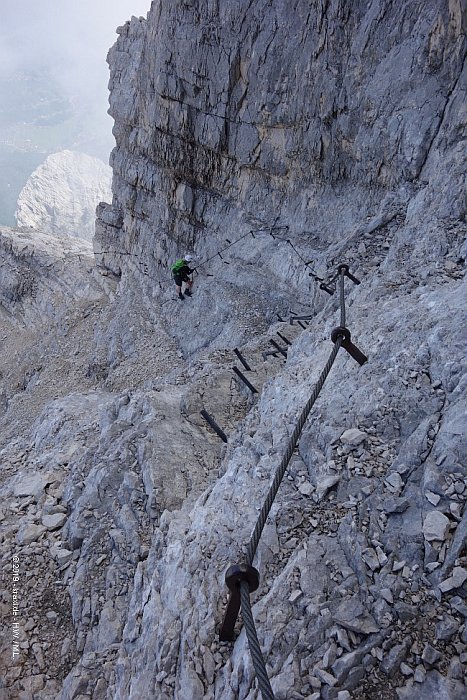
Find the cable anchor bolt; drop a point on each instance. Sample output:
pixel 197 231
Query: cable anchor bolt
pixel 352 349
pixel 233 577
pixel 326 288
pixel 345 269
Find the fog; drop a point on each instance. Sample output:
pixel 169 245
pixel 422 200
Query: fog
pixel 69 37
pixel 54 83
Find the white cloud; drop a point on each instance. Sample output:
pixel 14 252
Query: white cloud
pixel 69 37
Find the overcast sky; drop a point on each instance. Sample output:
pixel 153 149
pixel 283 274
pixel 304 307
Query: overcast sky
pixel 71 37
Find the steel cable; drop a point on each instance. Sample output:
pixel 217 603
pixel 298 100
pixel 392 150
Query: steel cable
pixel 248 619
pixel 313 273
pixel 268 231
pixel 342 298
pixel 231 243
pixel 222 250
pixel 253 643
pixel 253 544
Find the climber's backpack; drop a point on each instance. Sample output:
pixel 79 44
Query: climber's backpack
pixel 178 265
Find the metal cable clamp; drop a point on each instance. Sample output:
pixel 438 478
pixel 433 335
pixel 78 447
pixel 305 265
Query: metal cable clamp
pixel 233 576
pixel 347 344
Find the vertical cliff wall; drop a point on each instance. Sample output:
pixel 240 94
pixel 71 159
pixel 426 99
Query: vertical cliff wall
pixel 232 113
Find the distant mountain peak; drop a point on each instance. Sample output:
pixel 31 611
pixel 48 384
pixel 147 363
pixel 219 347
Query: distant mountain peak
pixel 61 195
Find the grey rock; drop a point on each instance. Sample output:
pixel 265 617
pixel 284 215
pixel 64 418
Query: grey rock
pixel 433 686
pixel 446 628
pixel 432 566
pixel 419 674
pixel 100 690
pixel 430 655
pixel 352 437
pixel 345 663
pixel 456 546
pixel 306 488
pixel 325 484
pixel 32 485
pixel 399 565
pixel 328 692
pixel 394 481
pixel 110 625
pixel 61 555
pixel 386 594
pixel 352 615
pixel 325 676
pixel 30 533
pixel 54 521
pixel 395 505
pixel 370 558
pixel 456 670
pixel 456 510
pixel 457 604
pixel 406 670
pixel 435 526
pixel 295 595
pixel 433 498
pixel 391 661
pixel 456 580
pixel 355 677
pixel 405 612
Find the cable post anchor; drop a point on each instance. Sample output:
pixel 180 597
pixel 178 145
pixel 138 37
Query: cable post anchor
pixel 345 269
pixel 233 576
pixel 347 344
pixel 326 288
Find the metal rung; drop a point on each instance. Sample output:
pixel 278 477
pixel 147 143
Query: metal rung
pixel 282 337
pixel 242 359
pixel 283 351
pixel 272 353
pixel 245 380
pixel 214 425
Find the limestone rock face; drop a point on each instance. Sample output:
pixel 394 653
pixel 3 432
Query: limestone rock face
pixel 255 112
pixel 339 129
pixel 41 274
pixel 61 195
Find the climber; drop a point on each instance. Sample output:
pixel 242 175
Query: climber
pixel 181 272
